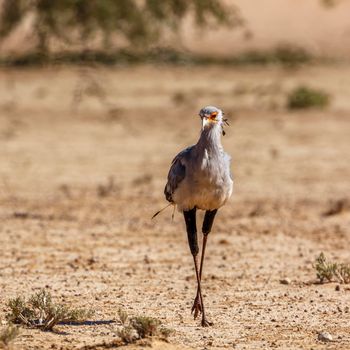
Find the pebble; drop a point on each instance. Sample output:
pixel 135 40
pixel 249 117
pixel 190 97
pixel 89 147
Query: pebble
pixel 285 281
pixel 325 337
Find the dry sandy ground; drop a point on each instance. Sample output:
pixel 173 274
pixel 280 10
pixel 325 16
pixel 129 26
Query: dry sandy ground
pixel 64 133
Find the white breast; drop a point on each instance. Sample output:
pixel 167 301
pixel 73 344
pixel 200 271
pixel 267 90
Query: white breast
pixel 207 185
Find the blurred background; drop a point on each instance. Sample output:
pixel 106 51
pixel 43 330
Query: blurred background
pixel 97 97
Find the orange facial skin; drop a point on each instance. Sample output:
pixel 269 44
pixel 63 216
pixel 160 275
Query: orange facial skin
pixel 212 117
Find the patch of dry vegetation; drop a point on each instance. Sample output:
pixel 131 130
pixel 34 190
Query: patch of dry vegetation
pixel 7 336
pixel 331 271
pixel 303 97
pixel 140 327
pixel 337 207
pixel 40 311
pixel 107 189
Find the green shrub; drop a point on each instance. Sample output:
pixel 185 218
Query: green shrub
pixel 304 97
pixel 289 55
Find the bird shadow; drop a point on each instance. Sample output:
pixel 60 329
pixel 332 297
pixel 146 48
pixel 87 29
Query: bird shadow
pixel 87 323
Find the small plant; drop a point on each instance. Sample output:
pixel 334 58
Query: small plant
pixel 19 313
pixel 329 3
pixel 336 207
pixel 41 312
pixel 324 269
pixel 77 315
pixel 123 316
pixel 7 336
pixel 291 56
pixel 165 333
pixel 127 334
pixel 344 273
pixel 105 190
pixel 140 327
pixel 328 271
pixel 304 97
pixel 179 98
pixel 145 326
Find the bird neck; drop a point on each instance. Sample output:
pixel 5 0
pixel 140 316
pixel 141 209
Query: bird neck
pixel 210 138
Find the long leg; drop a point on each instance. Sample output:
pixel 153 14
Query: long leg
pixel 191 227
pixel 206 229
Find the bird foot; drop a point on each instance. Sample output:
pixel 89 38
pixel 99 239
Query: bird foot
pixel 206 323
pixel 197 307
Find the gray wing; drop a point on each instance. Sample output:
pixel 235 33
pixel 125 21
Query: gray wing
pixel 176 173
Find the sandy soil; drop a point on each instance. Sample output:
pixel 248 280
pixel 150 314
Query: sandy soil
pixel 65 133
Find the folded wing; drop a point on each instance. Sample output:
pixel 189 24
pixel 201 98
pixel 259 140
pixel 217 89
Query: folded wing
pixel 176 173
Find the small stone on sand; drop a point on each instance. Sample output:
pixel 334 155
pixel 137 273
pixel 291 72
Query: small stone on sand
pixel 325 337
pixel 285 280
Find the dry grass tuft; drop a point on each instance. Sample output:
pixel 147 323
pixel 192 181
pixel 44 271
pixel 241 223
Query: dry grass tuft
pixel 7 336
pixel 331 271
pixel 336 207
pixel 107 189
pixel 145 326
pixel 127 334
pixel 123 316
pixel 140 327
pixel 344 273
pixel 41 312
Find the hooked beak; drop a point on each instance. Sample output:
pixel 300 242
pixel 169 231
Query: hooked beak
pixel 204 122
pixel 208 119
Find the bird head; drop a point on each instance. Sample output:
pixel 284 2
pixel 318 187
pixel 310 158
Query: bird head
pixel 212 116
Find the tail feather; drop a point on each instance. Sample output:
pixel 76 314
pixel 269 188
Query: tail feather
pixel 159 211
